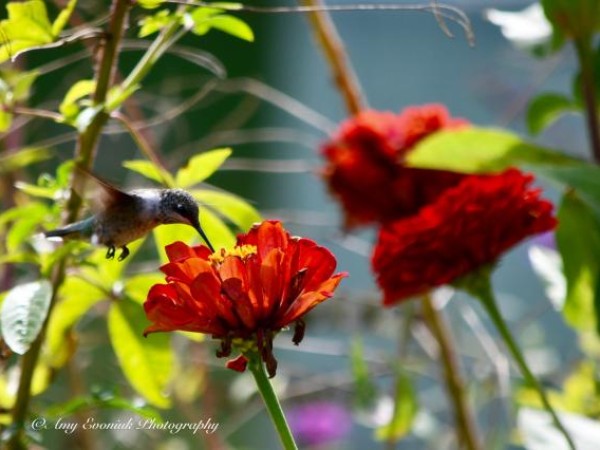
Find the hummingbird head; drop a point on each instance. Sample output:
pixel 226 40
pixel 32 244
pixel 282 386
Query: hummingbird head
pixel 178 206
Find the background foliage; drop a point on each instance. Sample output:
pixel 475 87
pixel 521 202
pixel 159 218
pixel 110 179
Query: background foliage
pixel 197 105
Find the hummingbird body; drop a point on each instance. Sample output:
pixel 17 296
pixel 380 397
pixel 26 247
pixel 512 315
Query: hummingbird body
pixel 122 217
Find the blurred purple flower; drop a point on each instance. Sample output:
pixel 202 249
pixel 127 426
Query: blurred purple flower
pixel 546 240
pixel 319 422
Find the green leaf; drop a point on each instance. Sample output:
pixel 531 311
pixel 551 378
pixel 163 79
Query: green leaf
pixel 151 24
pixel 201 166
pixel 23 312
pixel 63 18
pixel 27 27
pixel 405 411
pixel 69 107
pixel 584 178
pixel 137 286
pixel 5 120
pixel 86 116
pixel 149 170
pixel 232 25
pixel 545 109
pixel 167 234
pixel 25 219
pixel 239 211
pixel 474 149
pixel 23 228
pixel 117 95
pixel 578 238
pixel 150 4
pixel 216 230
pixel 36 191
pixel 23 158
pixel 15 85
pixel 77 296
pixel 147 363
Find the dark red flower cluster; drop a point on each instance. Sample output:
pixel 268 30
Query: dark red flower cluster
pixel 365 168
pixel 435 226
pixel 246 295
pixel 468 227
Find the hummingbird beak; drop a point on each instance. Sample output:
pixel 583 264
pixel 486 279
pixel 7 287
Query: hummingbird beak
pixel 201 232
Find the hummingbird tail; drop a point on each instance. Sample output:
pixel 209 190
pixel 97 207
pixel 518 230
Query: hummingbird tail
pixel 75 230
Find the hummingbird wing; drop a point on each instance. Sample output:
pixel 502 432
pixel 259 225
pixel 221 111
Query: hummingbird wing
pixel 104 195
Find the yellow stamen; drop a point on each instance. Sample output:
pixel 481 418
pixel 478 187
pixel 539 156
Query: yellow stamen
pixel 242 251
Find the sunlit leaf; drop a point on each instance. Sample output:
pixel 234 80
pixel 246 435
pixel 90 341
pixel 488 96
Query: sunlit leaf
pixel 24 227
pixel 77 296
pixel 5 120
pixel 147 363
pixel 23 158
pixel 36 191
pixel 216 230
pixel 149 170
pixel 232 25
pixel 151 24
pixel 405 410
pixel 117 95
pixel 201 166
pixel 137 286
pixel 86 116
pixel 15 85
pixel 167 234
pixel 239 211
pixel 545 109
pixel 27 27
pixel 63 17
pixel 150 4
pixel 578 238
pixel 475 149
pixel 23 312
pixel 584 178
pixel 69 107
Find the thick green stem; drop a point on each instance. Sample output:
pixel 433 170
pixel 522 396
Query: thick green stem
pixel 588 87
pixel 482 289
pixel 465 422
pixel 84 154
pixel 265 388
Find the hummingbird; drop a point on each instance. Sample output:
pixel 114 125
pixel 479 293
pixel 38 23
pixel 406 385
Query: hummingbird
pixel 122 217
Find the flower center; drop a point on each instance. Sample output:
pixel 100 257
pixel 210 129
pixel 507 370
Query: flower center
pixel 242 251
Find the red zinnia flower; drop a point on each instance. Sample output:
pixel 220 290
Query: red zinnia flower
pixel 246 295
pixel 365 164
pixel 467 227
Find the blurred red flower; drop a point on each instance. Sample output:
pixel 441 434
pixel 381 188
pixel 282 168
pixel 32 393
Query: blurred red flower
pixel 467 227
pixel 246 295
pixel 365 168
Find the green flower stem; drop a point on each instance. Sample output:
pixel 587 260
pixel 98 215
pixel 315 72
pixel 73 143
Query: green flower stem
pixel 265 388
pixel 482 289
pixel 465 422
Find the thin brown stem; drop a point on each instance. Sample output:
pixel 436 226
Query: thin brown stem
pixel 335 53
pixel 144 146
pixel 465 422
pixel 588 86
pixel 84 153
